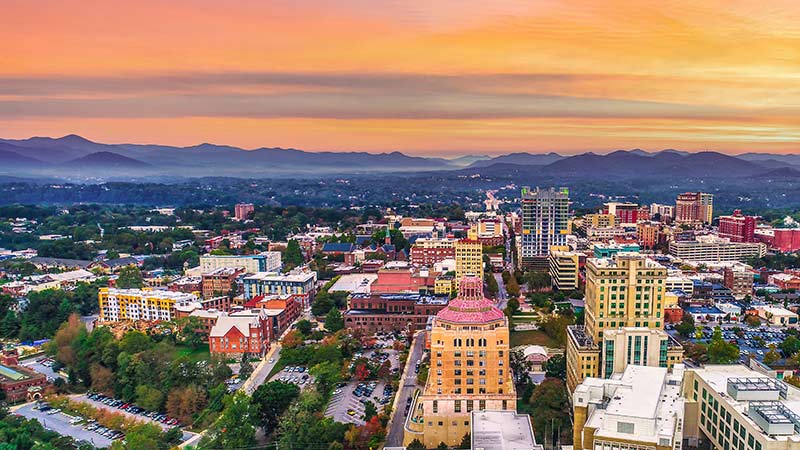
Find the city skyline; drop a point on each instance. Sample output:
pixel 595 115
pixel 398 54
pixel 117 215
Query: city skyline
pixel 442 78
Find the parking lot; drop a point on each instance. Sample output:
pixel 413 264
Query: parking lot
pixel 43 366
pixel 60 423
pixel 347 402
pixel 755 341
pixel 296 375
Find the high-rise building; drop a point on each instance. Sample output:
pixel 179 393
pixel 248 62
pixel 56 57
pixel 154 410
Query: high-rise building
pixel 640 409
pixel 469 258
pixel 545 217
pixel 624 297
pixel 564 267
pixel 243 210
pixel 738 227
pixel 469 348
pixel 694 207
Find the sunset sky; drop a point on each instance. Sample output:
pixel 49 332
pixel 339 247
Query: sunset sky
pixel 432 77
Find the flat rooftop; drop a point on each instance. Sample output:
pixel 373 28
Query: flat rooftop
pixel 502 430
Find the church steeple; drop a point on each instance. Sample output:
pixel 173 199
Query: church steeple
pixel 388 238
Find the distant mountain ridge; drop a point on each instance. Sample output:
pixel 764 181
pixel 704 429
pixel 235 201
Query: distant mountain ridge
pixel 74 156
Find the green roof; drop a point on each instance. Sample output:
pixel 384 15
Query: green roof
pixel 11 374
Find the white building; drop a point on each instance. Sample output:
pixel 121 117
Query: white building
pixel 263 262
pixel 641 408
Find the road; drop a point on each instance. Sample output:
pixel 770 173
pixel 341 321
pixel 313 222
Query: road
pixel 502 295
pixel 408 383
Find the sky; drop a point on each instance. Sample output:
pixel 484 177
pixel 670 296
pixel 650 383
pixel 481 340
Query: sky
pixel 437 77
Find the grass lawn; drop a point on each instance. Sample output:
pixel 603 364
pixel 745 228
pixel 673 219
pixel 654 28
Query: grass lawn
pixel 524 319
pixel 198 354
pixel 533 337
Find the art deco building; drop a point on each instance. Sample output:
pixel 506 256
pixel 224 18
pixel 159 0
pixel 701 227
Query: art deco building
pixel 469 369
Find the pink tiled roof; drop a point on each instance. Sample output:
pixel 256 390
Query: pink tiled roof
pixel 470 311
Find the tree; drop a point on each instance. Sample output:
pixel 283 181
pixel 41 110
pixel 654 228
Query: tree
pixel 491 284
pixel 442 446
pixel 752 320
pixel 520 365
pixel 416 445
pixel 292 339
pixel 512 287
pixel 246 369
pixel 149 398
pixel 369 410
pixel 271 400
pixel 720 351
pixel 184 402
pixel 512 306
pixel 304 326
pixel 236 427
pixel 334 321
pixel 686 327
pixel 362 372
pixel 789 346
pixel 130 277
pixel 772 356
pixel 551 404
pixel 466 442
pixel 102 379
pixel 292 256
pixel 556 367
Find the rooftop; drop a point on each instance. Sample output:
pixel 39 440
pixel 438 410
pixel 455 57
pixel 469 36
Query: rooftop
pixel 502 430
pixel 300 277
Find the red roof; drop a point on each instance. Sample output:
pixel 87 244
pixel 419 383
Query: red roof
pixel 470 306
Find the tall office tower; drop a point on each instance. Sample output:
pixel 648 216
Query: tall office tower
pixel 545 217
pixel 738 227
pixel 694 207
pixel 623 315
pixel 469 258
pixel 470 371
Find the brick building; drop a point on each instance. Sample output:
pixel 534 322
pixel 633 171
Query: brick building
pixel 392 312
pixel 19 383
pixel 220 281
pixel 737 228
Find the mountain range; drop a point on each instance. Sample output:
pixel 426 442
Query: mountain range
pixel 74 158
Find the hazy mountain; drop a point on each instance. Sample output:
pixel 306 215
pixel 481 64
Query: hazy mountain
pixel 467 160
pixel 520 158
pixel 793 159
pixel 13 161
pixel 107 160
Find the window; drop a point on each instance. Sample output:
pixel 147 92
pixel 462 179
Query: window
pixel 625 427
pixel 482 405
pixel 457 406
pixel 435 406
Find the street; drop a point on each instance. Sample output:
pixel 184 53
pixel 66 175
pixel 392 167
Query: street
pixel 502 295
pixel 408 384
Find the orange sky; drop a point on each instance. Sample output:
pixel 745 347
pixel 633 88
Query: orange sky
pixel 442 77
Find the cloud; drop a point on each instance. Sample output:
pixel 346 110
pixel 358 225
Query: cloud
pixel 337 96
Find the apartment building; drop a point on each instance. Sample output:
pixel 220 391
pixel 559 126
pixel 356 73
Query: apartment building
pixel 140 304
pixel 694 208
pixel 220 282
pixel 599 220
pixel 266 283
pixel 647 234
pixel 737 227
pixel 429 251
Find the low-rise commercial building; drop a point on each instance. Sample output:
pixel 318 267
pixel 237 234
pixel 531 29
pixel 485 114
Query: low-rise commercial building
pixel 220 281
pixel 641 408
pixel 267 283
pixel 392 312
pixel 19 383
pixel 713 249
pixel 263 262
pixel 502 430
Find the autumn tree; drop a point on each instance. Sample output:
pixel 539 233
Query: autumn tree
pixel 292 339
pixel 184 402
pixel 102 379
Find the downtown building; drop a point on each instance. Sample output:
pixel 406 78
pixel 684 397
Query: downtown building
pixel 429 251
pixel 469 371
pixel 624 320
pixel 243 210
pixel 713 249
pixel 694 208
pixel 140 304
pixel 738 227
pixel 469 258
pixel 262 262
pixel 545 224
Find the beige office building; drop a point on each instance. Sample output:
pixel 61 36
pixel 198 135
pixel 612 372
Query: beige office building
pixel 469 258
pixel 564 268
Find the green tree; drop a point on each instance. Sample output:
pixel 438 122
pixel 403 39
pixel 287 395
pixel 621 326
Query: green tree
pixel 236 427
pixel 369 410
pixel 772 356
pixel 149 398
pixel 491 284
pixel 721 351
pixel 416 445
pixel 271 401
pixel 686 327
pixel 556 367
pixel 442 446
pixel 466 442
pixel 789 346
pixel 549 400
pixel 304 326
pixel 292 256
pixel 334 321
pixel 130 277
pixel 512 306
pixel 246 369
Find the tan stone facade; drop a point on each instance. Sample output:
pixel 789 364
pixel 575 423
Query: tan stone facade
pixel 469 369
